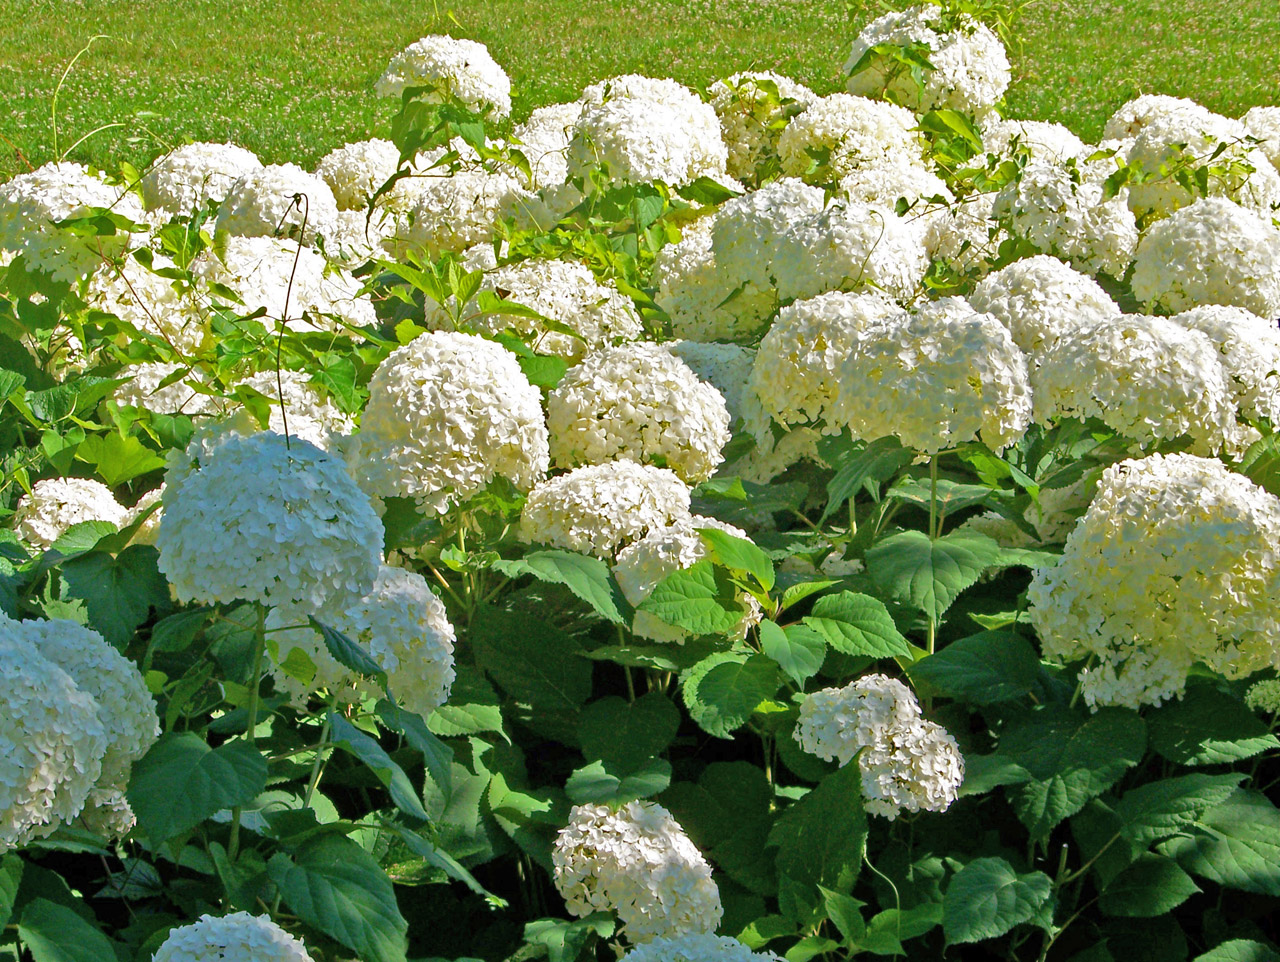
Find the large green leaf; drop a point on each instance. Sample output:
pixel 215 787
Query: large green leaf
pixel 588 578
pixel 363 746
pixel 1159 809
pixel 117 457
pixel 348 653
pixel 983 669
pixel 10 879
pixel 436 755
pixel 334 885
pixel 625 735
pixel 54 933
pixel 597 783
pixel 1236 844
pixel 1151 886
pixel 856 624
pixel 865 470
pixel 723 690
pixel 181 781
pixel 119 592
pixel 987 898
pixel 702 599
pixel 930 574
pixel 1208 727
pixel 531 660
pixel 473 706
pixel 1240 950
pixel 739 553
pixel 798 649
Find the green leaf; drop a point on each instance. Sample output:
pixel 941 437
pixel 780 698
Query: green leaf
pixel 794 594
pixel 952 496
pixel 181 781
pixel 1159 809
pixel 346 736
pixel 543 371
pixel 335 886
pixel 588 578
pixel 930 574
pixel 54 933
pixel 723 690
pixel 1240 950
pixel 531 660
pixel 472 707
pixel 596 783
pixel 566 941
pixel 1208 727
pixel 347 653
pixel 626 735
pixel 1071 757
pixel 821 841
pixel 857 624
pixel 1261 463
pixel 10 879
pixel 701 599
pixel 1151 886
pixel 740 554
pixel 987 898
pixel 118 458
pixel 983 669
pixel 177 632
pixel 118 592
pixel 1236 844
pixel 436 755
pixel 845 913
pixel 81 537
pixel 446 863
pixel 704 190
pixel 865 470
pixel 798 649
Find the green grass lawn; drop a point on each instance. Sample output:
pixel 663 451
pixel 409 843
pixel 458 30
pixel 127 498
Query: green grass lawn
pixel 292 79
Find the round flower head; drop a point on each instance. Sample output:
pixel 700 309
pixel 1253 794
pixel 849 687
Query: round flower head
pixel 695 293
pixel 852 133
pixel 1249 348
pixel 754 109
pixel 663 551
pixel 1047 143
pixel 239 937
pixel 1166 540
pixel 639 402
pixel 935 379
pixel 31 205
pixel 1132 117
pixel 292 285
pixel 727 368
pixel 190 176
pixel 1042 301
pixel 970 67
pixel 600 508
pixel 355 238
pixel 400 623
pixel 1263 123
pixel 354 172
pixel 638 863
pixel 267 520
pixel 697 947
pixel 964 236
pixel 907 763
pixel 797 366
pixel 281 200
pixel 454 211
pixel 1210 252
pixel 155 305
pixel 452 69
pixel 544 140
pixel 52 741
pixel 306 414
pixel 55 504
pixel 1264 696
pixel 147 389
pixel 886 185
pixel 1148 378
pixel 1050 207
pixel 645 129
pixel 447 414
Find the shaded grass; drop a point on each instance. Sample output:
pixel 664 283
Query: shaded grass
pixel 291 79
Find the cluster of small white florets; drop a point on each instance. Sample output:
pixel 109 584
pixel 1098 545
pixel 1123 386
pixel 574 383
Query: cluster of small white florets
pixel 164 388
pixel 31 205
pixel 453 69
pixel 840 134
pixel 1249 348
pixel 639 402
pixel 1264 696
pixel 692 291
pixel 400 623
pixel 935 379
pixel 239 937
pixel 922 189
pixel 907 762
pixel 447 414
pixel 754 108
pixel 697 947
pixel 963 235
pixel 727 368
pixel 452 211
pixel 156 305
pixel 661 552
pixel 188 177
pixel 1263 124
pixel 306 414
pixel 970 67
pixel 1051 207
pixel 1132 117
pixel 646 129
pixel 281 200
pixel 355 172
pixel 1165 540
pixel 1210 252
pixel 260 518
pixel 638 863
pixel 55 504
pixel 1042 301
pixel 544 140
pixel 1045 142
pixel 600 508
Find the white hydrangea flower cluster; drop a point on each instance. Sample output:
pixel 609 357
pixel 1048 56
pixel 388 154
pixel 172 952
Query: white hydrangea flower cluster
pixel 55 504
pixel 239 937
pixel 461 70
pixel 647 129
pixel 147 389
pixel 935 379
pixel 1165 540
pixel 544 140
pixel 31 204
pixel 356 238
pixel 1059 214
pixel 663 551
pixel 190 176
pixel 1046 142
pixel 638 402
pixel 1042 301
pixel 155 305
pixel 637 862
pixel 885 186
pixel 448 413
pixel 1211 252
pixel 692 290
pixel 1249 349
pixel 1264 696
pixel 1263 123
pixel 907 762
pixel 851 133
pixel 754 108
pixel 964 236
pixel 279 200
pixel 258 271
pixel 354 172
pixel 600 508
pixel 307 414
pixel 1132 117
pixel 971 69
pixel 256 518
pixel 454 211
pixel 400 623
pixel 697 947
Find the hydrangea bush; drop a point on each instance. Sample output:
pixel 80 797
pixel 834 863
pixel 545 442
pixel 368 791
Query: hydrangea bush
pixel 769 524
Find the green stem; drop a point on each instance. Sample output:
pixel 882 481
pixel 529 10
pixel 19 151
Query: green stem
pixel 933 496
pixel 260 647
